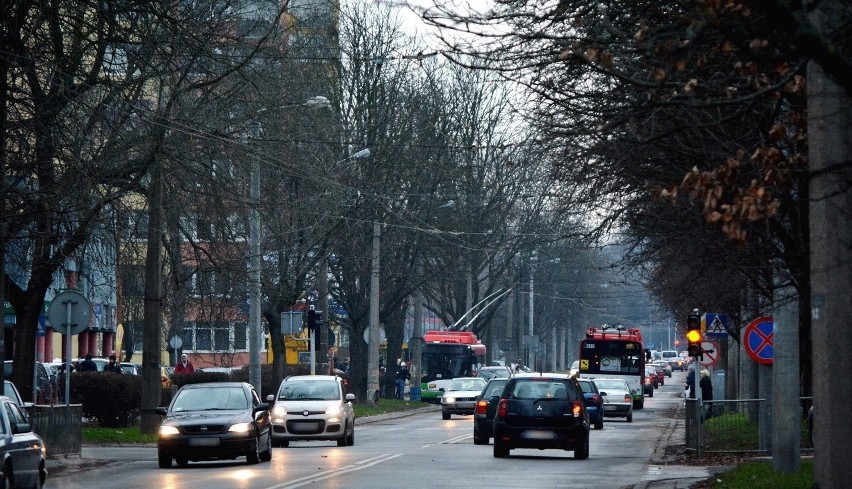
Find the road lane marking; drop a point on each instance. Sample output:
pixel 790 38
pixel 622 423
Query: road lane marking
pixel 321 476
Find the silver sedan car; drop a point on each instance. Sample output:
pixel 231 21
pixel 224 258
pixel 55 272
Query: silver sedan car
pixel 312 407
pixel 617 400
pixel 460 396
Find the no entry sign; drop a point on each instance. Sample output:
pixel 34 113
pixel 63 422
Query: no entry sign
pixel 758 339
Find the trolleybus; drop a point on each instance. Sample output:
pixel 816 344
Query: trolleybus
pixel 445 356
pixel 615 351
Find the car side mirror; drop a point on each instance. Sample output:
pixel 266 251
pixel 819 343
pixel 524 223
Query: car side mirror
pixel 493 399
pixel 270 398
pixel 442 389
pixel 602 393
pixel 21 428
pixel 261 406
pixel 161 410
pixel 350 397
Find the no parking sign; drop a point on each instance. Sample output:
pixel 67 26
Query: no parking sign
pixel 758 339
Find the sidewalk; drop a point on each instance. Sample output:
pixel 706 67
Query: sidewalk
pixel 663 475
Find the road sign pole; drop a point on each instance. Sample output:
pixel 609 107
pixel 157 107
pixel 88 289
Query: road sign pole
pixel 68 305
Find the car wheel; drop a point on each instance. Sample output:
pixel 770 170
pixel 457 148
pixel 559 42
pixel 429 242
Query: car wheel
pixel 663 382
pixel 477 438
pixel 253 457
pixel 651 394
pixel 266 455
pixel 582 452
pixel 6 480
pixel 445 415
pixel 500 450
pixel 341 442
pixel 164 461
pixel 350 439
pixel 630 417
pixel 181 462
pixel 284 443
pixel 599 424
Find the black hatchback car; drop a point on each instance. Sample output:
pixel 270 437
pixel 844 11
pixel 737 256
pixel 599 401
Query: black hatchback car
pixel 215 421
pixel 542 410
pixel 486 408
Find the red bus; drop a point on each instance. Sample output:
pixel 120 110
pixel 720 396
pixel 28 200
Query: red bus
pixel 445 356
pixel 615 351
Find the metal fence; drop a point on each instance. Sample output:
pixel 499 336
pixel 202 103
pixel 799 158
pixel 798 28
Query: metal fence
pixel 742 425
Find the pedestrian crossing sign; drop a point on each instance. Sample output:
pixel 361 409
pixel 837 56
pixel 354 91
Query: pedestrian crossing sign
pixel 715 324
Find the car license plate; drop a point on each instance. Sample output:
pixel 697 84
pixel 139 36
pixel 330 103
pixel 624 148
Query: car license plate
pixel 304 427
pixel 539 435
pixel 204 442
pixel 610 408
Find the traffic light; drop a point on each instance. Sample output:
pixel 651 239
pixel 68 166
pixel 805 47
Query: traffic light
pixel 312 320
pixel 693 335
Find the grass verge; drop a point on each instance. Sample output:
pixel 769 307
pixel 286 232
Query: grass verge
pixel 759 475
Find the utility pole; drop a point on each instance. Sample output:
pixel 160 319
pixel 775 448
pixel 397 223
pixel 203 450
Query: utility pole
pixel 373 346
pixel 254 273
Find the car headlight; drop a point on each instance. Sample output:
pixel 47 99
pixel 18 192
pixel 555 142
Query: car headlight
pixel 448 400
pixel 240 428
pixel 168 430
pixel 333 410
pixel 279 410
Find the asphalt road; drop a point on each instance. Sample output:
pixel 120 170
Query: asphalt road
pixel 419 450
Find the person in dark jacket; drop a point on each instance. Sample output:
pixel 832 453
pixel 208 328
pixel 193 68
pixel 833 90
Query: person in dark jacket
pixel 690 381
pixel 706 386
pixel 402 374
pixel 112 366
pixel 87 365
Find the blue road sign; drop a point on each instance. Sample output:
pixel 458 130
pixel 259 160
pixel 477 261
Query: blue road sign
pixel 717 324
pixel 758 338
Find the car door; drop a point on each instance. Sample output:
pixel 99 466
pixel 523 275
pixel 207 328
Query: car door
pixel 20 445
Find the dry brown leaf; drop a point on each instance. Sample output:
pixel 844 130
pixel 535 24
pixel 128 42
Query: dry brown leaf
pixel 659 74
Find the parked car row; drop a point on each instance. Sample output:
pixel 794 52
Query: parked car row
pixel 22 451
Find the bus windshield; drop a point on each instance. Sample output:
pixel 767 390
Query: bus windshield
pixel 447 361
pixel 610 357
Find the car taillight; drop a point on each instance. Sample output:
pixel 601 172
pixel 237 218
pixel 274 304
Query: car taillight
pixel 481 406
pixel 577 409
pixel 596 399
pixel 627 398
pixel 501 408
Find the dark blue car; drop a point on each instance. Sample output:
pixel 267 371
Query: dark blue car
pixel 594 403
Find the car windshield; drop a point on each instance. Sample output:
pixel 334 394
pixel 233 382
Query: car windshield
pixel 309 390
pixel 467 385
pixel 495 388
pixel 611 384
pixel 489 374
pixel 210 399
pixel 538 389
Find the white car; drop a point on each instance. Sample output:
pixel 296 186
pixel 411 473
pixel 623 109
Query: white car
pixel 617 400
pixel 312 407
pixel 460 396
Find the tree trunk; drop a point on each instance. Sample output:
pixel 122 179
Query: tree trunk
pixel 152 343
pixel 830 146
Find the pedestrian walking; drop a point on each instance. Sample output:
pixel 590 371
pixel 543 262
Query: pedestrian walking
pixel 706 386
pixel 184 366
pixel 402 375
pixel 87 365
pixel 112 366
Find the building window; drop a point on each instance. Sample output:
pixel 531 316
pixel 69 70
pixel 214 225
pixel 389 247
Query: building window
pixel 240 336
